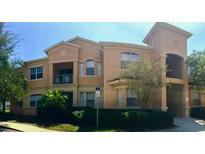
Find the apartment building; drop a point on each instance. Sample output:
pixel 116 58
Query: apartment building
pixel 79 65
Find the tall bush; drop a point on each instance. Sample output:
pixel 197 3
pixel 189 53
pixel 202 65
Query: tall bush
pixel 53 105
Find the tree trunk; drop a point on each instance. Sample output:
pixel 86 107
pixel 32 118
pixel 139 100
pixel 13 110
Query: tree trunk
pixel 199 93
pixel 4 106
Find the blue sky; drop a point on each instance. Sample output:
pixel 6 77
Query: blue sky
pixel 35 37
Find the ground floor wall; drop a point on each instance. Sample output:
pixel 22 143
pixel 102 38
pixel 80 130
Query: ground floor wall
pixel 116 98
pixel 27 109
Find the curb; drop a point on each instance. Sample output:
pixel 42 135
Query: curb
pixel 4 126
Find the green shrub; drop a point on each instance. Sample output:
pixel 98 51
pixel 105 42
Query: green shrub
pixel 127 119
pixel 198 112
pixel 78 116
pixel 110 118
pixel 53 105
pixel 159 119
pixel 134 119
pixel 84 115
pixel 5 116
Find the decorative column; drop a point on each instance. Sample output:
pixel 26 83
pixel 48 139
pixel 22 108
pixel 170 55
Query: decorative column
pixel 75 72
pixel 50 68
pixel 75 96
pixel 164 88
pixel 186 92
pixel 75 83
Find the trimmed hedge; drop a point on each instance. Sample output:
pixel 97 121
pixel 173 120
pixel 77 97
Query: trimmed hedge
pixel 5 116
pixel 128 119
pixel 198 112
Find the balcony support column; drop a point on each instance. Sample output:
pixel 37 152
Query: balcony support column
pixel 75 72
pixel 50 74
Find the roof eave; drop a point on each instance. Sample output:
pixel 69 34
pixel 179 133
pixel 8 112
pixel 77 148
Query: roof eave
pixel 126 45
pixel 36 60
pixel 83 39
pixel 60 43
pixel 166 25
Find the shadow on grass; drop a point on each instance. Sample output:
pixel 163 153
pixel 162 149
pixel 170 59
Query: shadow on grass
pixel 66 125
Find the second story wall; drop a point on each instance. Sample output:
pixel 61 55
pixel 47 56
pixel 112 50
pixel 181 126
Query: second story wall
pixel 89 51
pixel 63 53
pixel 37 83
pixel 112 64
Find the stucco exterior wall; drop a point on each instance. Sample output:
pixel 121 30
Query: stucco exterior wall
pixel 33 84
pixel 170 41
pixel 161 40
pixel 112 65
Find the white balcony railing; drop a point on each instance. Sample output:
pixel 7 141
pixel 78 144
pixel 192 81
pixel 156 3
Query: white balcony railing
pixel 63 79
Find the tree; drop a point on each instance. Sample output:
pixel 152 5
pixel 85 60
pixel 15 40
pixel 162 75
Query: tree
pixel 143 78
pixel 196 65
pixel 12 83
pixel 53 105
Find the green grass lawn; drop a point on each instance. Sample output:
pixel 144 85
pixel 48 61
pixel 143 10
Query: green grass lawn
pixel 61 127
pixel 76 128
pixel 57 126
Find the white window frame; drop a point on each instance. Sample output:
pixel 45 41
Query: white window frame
pixel 99 69
pixel 36 72
pixel 130 56
pixel 119 99
pixel 36 99
pixel 87 61
pixel 82 102
pixel 82 71
pixel 87 98
pixel 130 94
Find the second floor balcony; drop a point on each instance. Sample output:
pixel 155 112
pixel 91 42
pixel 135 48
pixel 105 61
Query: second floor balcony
pixel 63 79
pixel 63 73
pixel 175 66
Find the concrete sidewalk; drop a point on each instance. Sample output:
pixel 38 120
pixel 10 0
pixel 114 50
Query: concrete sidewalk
pixel 23 127
pixel 186 125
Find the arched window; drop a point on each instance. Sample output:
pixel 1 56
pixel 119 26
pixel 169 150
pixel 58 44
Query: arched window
pixel 175 66
pixel 90 67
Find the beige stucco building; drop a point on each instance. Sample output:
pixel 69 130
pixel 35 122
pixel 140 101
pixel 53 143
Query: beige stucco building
pixel 79 65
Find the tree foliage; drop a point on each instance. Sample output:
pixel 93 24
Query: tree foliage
pixel 53 105
pixel 12 83
pixel 143 78
pixel 196 65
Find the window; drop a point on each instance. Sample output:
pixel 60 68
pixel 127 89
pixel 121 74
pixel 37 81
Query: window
pixel 90 99
pixel 36 73
pixel 132 100
pixel 119 99
pixel 127 57
pixel 99 69
pixel 82 99
pixel 81 69
pixel 34 99
pixel 196 99
pixel 90 67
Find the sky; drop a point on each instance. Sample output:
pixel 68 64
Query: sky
pixel 36 37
